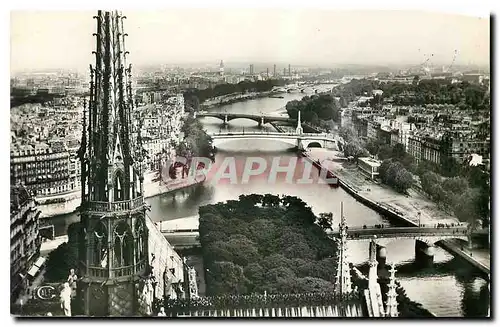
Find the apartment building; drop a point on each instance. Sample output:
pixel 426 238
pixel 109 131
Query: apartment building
pixel 24 238
pixel 437 146
pixel 44 169
pixel 161 129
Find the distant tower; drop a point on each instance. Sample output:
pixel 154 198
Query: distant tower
pixel 343 283
pixel 299 129
pixel 221 68
pixel 284 71
pixel 289 70
pixel 267 70
pixel 274 70
pixel 392 302
pixel 251 69
pixel 114 237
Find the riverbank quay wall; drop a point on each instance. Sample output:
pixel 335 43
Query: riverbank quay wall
pixel 396 218
pixel 456 251
pixel 307 128
pixel 236 98
pixel 400 220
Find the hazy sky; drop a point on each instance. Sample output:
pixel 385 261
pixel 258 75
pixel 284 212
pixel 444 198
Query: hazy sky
pixel 41 40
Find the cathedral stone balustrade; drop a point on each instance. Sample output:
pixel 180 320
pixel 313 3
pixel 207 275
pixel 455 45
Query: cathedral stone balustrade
pixel 100 206
pixel 116 272
pixel 97 272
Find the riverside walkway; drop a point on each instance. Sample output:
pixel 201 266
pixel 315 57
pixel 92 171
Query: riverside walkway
pixel 407 206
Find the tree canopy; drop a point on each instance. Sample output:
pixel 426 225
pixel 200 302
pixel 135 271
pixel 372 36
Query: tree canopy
pixel 315 108
pixel 463 95
pixel 227 88
pixel 196 143
pixel 266 243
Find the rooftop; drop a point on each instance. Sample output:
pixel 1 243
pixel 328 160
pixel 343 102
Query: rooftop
pixel 371 161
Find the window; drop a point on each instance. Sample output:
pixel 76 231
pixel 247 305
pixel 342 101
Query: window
pixel 123 242
pixel 100 254
pixel 141 240
pixel 118 187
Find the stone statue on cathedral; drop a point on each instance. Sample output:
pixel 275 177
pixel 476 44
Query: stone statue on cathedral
pixel 65 299
pixel 146 298
pixel 72 279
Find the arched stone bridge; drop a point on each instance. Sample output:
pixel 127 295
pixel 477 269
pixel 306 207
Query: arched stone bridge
pixel 259 119
pixel 386 235
pixel 302 141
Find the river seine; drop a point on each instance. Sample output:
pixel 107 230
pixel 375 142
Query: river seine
pixel 450 288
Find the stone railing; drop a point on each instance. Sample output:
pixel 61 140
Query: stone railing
pixel 116 272
pixel 323 135
pixel 97 272
pixel 229 302
pixel 101 206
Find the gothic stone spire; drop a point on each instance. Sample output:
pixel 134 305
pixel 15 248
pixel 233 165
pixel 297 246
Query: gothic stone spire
pixel 114 237
pixel 111 147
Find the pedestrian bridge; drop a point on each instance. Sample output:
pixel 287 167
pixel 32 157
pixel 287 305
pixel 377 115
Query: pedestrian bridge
pixel 385 235
pixel 260 119
pixel 302 140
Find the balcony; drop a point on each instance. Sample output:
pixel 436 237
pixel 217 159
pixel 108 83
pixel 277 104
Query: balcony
pixel 116 272
pixel 101 206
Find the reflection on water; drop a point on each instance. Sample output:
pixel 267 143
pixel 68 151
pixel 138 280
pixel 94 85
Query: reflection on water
pixel 321 197
pixel 448 288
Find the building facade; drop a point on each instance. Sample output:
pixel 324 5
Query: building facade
pixel 437 147
pixel 43 169
pixel 24 238
pixel 369 166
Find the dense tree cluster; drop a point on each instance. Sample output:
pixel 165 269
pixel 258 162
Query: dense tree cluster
pixel 460 189
pixel 455 195
pixel 64 257
pixel 225 89
pixel 397 152
pixel 191 102
pixel 196 143
pixel 394 174
pixel 18 98
pixel 315 108
pixel 463 95
pixel 265 243
pixel 353 146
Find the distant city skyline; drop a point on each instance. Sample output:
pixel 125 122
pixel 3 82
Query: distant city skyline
pixel 63 40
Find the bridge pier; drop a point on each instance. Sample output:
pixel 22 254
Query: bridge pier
pixel 424 252
pixel 300 145
pixel 261 122
pixel 225 120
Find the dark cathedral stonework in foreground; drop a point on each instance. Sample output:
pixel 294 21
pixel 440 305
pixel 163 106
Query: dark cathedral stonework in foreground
pixel 114 244
pixel 114 236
